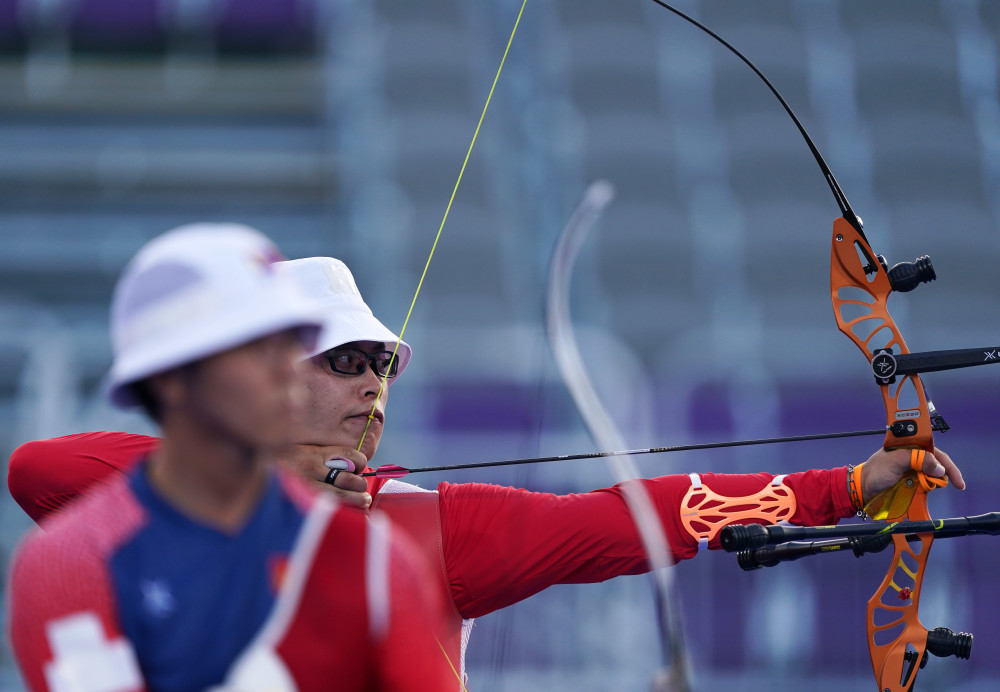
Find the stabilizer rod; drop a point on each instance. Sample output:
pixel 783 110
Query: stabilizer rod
pixel 739 537
pixel 887 365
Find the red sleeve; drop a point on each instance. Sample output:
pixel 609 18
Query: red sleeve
pixel 823 497
pixel 45 475
pixel 63 626
pixel 502 545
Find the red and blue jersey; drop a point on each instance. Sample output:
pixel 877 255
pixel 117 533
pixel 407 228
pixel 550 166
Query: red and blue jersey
pixel 180 585
pixel 124 592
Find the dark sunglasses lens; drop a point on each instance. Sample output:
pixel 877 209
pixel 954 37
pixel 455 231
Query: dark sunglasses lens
pixel 385 364
pixel 349 362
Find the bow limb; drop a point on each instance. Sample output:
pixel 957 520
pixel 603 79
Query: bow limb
pixel 674 676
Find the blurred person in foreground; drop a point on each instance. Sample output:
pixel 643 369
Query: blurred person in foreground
pixel 493 546
pixel 202 567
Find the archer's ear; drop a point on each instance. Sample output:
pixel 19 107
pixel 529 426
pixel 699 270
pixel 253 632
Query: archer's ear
pixel 170 390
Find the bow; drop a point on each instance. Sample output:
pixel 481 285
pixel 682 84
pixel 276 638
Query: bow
pixel 860 285
pixel 896 638
pixel 673 676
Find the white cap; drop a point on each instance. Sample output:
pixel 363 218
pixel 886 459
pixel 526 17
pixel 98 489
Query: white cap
pixel 196 291
pixel 346 317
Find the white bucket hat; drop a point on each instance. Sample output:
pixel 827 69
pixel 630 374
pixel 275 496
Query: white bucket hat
pixel 346 317
pixel 195 291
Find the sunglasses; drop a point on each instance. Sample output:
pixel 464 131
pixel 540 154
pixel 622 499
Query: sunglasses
pixel 354 361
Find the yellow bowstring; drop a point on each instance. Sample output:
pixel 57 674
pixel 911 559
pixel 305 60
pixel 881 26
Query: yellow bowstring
pixel 427 265
pixel 451 665
pixel 454 190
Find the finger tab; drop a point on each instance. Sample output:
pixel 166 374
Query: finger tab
pixel 342 464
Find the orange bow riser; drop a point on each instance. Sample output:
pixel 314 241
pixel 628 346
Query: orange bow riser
pixel 860 288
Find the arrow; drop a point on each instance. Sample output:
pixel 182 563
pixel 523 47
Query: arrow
pixel 394 471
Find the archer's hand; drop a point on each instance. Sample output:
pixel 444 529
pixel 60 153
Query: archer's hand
pixel 314 463
pixel 885 467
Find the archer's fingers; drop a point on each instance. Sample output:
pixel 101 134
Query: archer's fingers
pixel 351 482
pixel 940 464
pixel 351 488
pixel 351 497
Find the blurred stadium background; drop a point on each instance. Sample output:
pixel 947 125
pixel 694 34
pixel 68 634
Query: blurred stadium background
pixel 701 301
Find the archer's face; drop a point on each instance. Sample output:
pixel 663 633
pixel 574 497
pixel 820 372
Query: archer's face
pixel 248 394
pixel 337 406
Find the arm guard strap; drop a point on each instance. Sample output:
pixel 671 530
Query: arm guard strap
pixel 704 512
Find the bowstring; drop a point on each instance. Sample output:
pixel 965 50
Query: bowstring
pixel 454 191
pixel 437 237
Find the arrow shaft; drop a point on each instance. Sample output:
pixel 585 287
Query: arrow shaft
pixel 648 450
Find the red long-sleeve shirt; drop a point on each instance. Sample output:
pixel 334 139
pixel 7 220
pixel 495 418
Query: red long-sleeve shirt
pixel 46 475
pixel 499 544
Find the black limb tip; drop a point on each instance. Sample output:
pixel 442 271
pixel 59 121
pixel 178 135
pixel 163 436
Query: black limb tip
pixel 906 276
pixel 738 537
pixel 943 642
